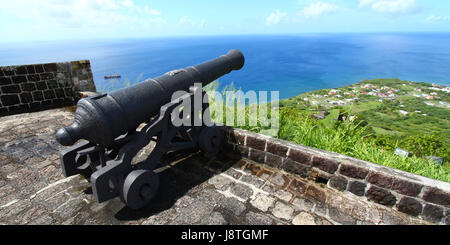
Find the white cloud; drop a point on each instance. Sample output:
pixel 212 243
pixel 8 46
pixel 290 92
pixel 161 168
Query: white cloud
pixel 436 18
pixel 147 10
pixel 82 13
pixel 187 21
pixel 276 17
pixel 317 9
pixel 392 7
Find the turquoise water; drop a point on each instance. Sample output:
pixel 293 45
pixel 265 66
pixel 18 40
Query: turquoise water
pixel 291 64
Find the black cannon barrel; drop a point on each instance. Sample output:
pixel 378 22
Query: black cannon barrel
pixel 102 118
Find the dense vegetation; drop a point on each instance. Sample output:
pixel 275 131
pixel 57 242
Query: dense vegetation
pixel 371 130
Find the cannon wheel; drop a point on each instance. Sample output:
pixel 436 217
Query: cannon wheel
pixel 209 141
pixel 139 188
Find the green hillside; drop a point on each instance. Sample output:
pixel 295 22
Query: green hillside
pixel 408 115
pixel 368 121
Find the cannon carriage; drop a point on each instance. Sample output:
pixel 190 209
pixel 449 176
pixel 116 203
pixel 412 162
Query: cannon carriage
pixel 106 126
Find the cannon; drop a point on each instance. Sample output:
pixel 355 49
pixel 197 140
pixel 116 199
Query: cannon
pixel 105 129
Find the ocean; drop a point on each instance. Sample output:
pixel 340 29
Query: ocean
pixel 291 64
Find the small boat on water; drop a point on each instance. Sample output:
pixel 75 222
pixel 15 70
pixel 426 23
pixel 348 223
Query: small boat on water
pixel 112 76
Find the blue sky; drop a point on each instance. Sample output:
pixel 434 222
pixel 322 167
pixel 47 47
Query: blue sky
pixel 31 20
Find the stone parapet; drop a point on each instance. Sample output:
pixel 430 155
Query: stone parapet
pixel 29 88
pixel 416 196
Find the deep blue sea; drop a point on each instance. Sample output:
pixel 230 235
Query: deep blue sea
pixel 292 64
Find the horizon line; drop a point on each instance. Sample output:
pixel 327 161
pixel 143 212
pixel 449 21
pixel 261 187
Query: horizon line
pixel 223 35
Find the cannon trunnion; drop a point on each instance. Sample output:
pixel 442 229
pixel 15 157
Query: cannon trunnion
pixel 107 126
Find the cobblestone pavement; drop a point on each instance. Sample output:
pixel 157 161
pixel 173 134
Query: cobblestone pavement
pixel 193 190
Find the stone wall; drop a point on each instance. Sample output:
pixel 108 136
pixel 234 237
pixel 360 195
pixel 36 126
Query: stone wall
pixel 403 193
pixel 29 88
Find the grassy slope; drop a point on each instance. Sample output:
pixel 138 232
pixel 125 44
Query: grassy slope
pixel 384 119
pixel 384 116
pixel 353 139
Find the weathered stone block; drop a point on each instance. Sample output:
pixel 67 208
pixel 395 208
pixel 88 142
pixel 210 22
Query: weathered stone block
pixel 9 71
pixel 47 76
pixel 5 80
pixel 220 182
pixel 437 196
pixel 256 143
pixel 19 79
pixel 357 188
pixel 8 100
pixel 406 187
pixel 252 169
pixel 409 206
pixel 277 149
pixel 279 179
pixel 263 202
pixel 39 68
pixel 389 218
pixel 242 191
pixel 304 219
pixel 433 213
pixel 3 111
pixel 59 93
pixel 297 187
pixel 381 196
pixel 324 164
pixel 215 218
pixel 273 160
pixel 35 105
pixel 41 85
pixel 233 205
pixel 69 101
pixel 265 174
pixel 303 204
pixel 49 94
pixel 28 87
pixel 62 83
pixel 46 103
pixel 300 156
pixel 233 173
pixel 296 168
pixel 380 180
pixel 253 218
pixel 257 156
pixel 11 89
pixel 341 218
pixel 283 211
pixel 33 78
pixel 253 180
pixel 30 69
pixel 316 193
pixel 68 92
pixel 353 171
pixel 26 98
pixel 38 96
pixel 52 84
pixel 21 70
pixel 58 102
pixel 50 67
pixel 338 182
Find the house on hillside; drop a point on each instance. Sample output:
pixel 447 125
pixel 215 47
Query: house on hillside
pixel 404 113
